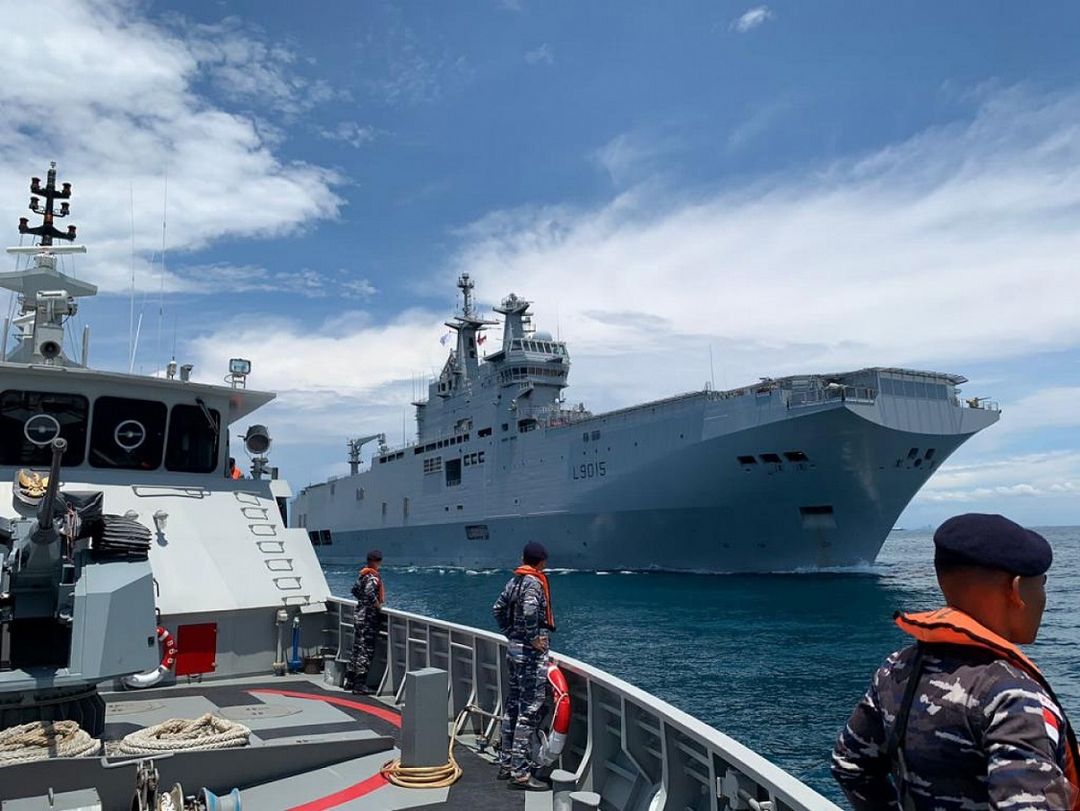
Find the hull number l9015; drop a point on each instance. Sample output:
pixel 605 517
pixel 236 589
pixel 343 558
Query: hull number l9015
pixel 590 470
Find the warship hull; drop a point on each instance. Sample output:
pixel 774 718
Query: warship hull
pixel 709 482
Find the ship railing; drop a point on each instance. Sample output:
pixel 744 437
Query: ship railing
pixel 980 403
pixel 799 398
pixel 624 743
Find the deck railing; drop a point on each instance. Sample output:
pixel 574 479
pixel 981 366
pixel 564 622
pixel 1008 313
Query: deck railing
pixel 635 750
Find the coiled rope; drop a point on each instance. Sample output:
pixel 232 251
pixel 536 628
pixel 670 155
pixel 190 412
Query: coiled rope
pixel 41 740
pixel 426 776
pixel 207 732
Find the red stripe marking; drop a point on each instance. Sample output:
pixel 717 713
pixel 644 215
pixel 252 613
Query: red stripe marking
pixel 386 715
pixel 376 781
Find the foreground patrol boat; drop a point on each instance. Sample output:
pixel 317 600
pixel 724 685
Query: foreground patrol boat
pixel 803 471
pixel 166 642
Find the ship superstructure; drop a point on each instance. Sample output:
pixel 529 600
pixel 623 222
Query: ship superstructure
pixel 800 471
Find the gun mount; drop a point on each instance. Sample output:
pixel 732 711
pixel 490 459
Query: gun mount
pixel 76 605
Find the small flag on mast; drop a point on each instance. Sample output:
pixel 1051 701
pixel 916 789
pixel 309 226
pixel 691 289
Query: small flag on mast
pixel 444 339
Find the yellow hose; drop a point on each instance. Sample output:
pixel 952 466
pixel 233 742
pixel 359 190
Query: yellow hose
pixel 426 776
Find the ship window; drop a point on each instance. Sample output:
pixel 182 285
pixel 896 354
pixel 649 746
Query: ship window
pixel 453 472
pixel 770 458
pixel 325 537
pixel 484 432
pixel 476 532
pixel 912 453
pixel 796 456
pixel 480 458
pixel 359 493
pixel 506 426
pixel 314 537
pixel 929 453
pixel 595 436
pixel 127 433
pixel 465 460
pixel 747 460
pixel 433 465
pixel 585 437
pixel 30 420
pixel 193 439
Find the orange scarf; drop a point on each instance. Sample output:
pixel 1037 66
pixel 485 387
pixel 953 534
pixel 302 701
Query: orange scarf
pixel 375 573
pixel 951 626
pixel 526 569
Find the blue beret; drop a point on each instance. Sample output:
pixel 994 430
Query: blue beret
pixel 534 550
pixel 993 542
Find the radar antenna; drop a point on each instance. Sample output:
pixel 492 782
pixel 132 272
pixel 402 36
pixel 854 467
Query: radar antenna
pixel 47 295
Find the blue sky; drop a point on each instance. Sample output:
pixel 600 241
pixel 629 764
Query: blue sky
pixel 799 186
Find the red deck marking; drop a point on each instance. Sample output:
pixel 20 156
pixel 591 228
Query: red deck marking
pixel 387 715
pixel 374 782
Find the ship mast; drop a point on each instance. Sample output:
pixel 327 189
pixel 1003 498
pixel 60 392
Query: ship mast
pixel 46 295
pixel 465 362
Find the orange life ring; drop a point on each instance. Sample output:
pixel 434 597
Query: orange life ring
pixel 555 740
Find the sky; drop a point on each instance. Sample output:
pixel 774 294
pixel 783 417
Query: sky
pixel 787 188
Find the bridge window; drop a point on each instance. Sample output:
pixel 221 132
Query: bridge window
pixel 193 439
pixel 127 433
pixel 30 420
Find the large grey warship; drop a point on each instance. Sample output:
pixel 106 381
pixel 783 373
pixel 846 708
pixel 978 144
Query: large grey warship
pixel 788 473
pixel 168 644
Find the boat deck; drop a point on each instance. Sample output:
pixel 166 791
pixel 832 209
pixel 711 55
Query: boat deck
pixel 357 735
pixel 305 708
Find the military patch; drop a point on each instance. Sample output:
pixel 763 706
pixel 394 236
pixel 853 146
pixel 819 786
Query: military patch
pixel 1053 725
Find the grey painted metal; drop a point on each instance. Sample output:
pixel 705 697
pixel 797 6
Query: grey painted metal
pixel 84 800
pixel 218 770
pixel 801 471
pixel 637 751
pixel 424 737
pixel 584 800
pixel 563 784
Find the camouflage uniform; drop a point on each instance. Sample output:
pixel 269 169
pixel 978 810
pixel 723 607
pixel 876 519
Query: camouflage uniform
pixel 365 628
pixel 981 734
pixel 521 613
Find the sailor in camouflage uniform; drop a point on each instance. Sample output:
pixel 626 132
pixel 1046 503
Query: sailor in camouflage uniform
pixel 369 594
pixel 523 613
pixel 962 720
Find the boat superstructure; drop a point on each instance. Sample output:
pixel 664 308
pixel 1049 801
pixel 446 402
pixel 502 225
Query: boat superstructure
pixel 801 471
pixel 141 583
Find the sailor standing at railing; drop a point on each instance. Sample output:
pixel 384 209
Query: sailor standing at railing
pixel 962 719
pixel 523 613
pixel 370 596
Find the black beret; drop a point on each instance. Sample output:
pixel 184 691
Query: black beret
pixel 374 554
pixel 534 550
pixel 993 542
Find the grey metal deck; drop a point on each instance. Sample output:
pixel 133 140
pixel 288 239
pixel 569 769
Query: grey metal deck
pixel 280 712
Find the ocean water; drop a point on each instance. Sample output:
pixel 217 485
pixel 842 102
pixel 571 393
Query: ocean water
pixel 776 661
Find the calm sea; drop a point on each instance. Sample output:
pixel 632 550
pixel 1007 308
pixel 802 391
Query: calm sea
pixel 775 661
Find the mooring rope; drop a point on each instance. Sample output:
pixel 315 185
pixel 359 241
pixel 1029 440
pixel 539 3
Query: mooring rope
pixel 41 740
pixel 427 776
pixel 207 732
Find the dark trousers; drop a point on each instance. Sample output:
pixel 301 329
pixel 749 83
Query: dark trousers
pixel 523 707
pixel 365 635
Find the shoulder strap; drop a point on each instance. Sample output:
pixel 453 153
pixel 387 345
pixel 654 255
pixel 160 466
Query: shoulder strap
pixel 895 743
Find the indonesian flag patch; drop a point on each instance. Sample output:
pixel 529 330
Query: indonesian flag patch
pixel 1053 725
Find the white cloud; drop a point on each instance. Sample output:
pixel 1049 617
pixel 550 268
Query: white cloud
pixel 543 54
pixel 350 132
pixel 934 251
pixel 756 16
pixel 1053 407
pixel 118 126
pixel 1052 475
pixel 221 278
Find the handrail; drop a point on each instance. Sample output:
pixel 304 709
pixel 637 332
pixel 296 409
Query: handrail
pixel 623 741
